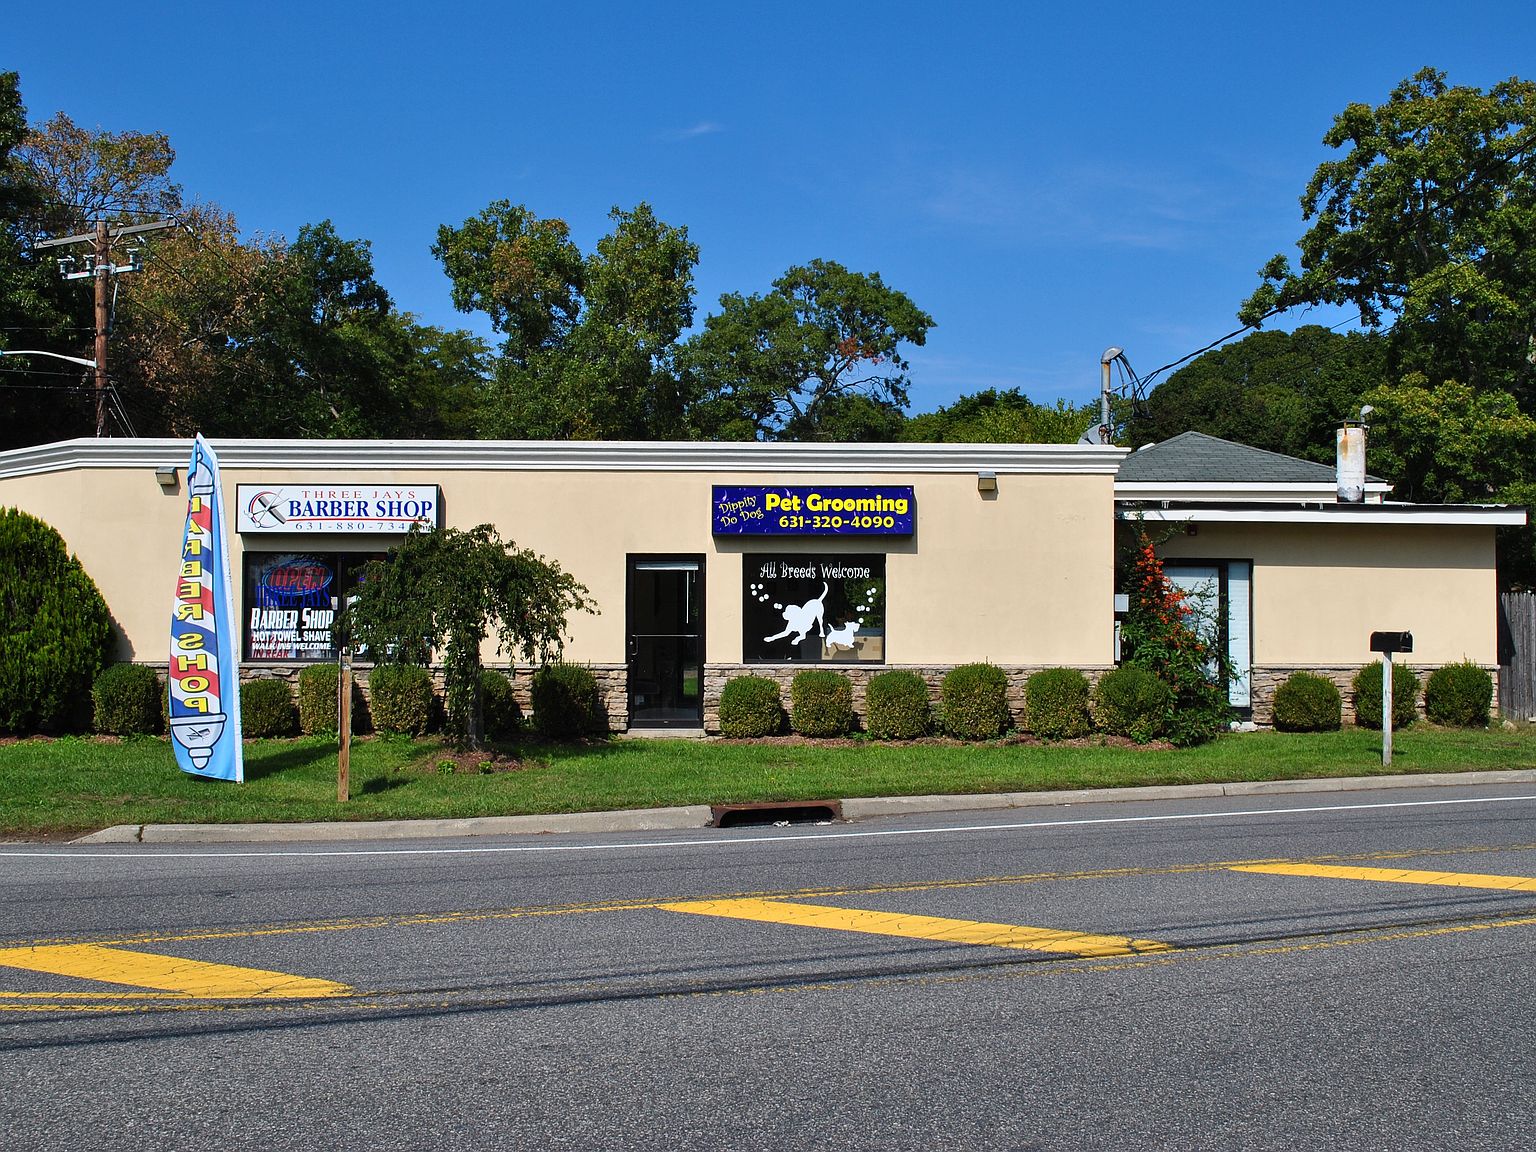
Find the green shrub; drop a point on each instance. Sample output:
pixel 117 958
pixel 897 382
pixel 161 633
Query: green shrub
pixel 126 701
pixel 821 703
pixel 974 701
pixel 1056 704
pixel 750 706
pixel 1366 688
pixel 266 709
pixel 896 706
pixel 1133 702
pixel 1459 695
pixel 400 699
pixel 498 706
pixel 319 698
pixel 1309 703
pixel 566 703
pixel 54 629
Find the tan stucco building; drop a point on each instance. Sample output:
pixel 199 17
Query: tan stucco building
pixel 707 560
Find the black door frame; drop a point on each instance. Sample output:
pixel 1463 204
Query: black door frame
pixel 631 651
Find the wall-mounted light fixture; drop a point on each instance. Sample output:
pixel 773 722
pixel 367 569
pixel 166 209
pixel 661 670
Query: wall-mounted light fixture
pixel 165 476
pixel 986 481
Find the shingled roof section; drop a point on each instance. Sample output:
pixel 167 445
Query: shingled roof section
pixel 1195 458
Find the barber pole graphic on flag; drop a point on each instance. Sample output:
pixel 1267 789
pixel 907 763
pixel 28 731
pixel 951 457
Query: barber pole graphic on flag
pixel 205 676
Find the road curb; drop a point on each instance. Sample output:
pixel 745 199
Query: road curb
pixel 699 816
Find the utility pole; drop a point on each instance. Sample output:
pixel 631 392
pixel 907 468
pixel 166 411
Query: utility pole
pixel 101 271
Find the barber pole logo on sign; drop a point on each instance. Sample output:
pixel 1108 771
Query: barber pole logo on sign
pixel 204 672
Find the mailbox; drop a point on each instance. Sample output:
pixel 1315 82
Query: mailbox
pixel 1391 642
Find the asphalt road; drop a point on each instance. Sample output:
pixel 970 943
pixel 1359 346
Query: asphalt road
pixel 1344 971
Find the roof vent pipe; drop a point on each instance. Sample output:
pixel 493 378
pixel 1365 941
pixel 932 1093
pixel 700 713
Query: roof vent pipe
pixel 1350 456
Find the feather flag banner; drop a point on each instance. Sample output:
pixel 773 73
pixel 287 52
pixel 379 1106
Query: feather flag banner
pixel 204 669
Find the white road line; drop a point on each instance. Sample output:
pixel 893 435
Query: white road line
pixel 737 841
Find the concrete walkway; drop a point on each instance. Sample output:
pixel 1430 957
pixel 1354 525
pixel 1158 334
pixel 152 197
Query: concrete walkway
pixel 700 815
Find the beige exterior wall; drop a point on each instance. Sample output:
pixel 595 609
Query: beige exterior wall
pixel 1320 590
pixel 1020 576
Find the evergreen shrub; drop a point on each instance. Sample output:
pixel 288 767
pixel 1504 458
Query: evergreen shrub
pixel 1459 695
pixel 751 706
pixel 266 709
pixel 499 709
pixel 319 691
pixel 126 701
pixel 974 701
pixel 821 703
pixel 1132 702
pixel 896 706
pixel 1310 703
pixel 1366 688
pixel 565 702
pixel 54 629
pixel 400 699
pixel 1056 704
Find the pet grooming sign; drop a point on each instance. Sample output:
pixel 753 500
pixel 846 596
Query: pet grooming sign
pixel 812 511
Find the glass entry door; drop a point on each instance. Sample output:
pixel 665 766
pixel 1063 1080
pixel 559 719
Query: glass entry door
pixel 666 641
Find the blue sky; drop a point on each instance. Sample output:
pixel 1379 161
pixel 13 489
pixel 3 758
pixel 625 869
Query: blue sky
pixel 1044 181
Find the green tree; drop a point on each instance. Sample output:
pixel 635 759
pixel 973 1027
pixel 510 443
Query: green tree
pixel 1284 391
pixel 447 590
pixel 94 174
pixel 588 340
pixel 993 417
pixel 777 366
pixel 40 399
pixel 1427 221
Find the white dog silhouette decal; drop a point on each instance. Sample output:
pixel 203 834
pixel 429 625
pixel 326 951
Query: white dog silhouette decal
pixel 841 637
pixel 801 617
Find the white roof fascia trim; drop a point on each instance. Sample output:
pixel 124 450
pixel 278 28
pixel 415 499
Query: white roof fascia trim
pixel 1173 490
pixel 571 456
pixel 1427 514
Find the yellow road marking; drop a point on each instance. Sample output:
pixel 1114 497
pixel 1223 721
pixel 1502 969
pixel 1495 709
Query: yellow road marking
pixel 920 927
pixel 193 978
pixel 1397 876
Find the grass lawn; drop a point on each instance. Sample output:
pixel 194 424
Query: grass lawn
pixel 55 788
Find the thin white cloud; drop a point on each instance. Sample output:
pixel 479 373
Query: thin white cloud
pixel 702 128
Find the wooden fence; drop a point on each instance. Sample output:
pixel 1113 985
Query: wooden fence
pixel 1517 655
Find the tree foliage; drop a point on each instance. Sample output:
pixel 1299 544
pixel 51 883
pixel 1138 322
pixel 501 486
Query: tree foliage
pixel 1427 219
pixel 1284 391
pixel 993 417
pixel 448 590
pixel 774 366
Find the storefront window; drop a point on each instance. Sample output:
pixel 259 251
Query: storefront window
pixel 813 609
pixel 291 601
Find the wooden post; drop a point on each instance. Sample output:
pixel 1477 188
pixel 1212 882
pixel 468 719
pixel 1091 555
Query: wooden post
pixel 344 726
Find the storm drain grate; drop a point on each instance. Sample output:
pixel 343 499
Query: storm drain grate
pixel 758 815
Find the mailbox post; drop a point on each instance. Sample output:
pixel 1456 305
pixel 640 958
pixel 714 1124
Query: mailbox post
pixel 1387 643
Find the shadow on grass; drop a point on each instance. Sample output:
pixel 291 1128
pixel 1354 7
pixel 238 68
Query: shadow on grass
pixel 378 784
pixel 269 762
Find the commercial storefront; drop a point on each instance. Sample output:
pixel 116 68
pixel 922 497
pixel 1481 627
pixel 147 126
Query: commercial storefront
pixel 710 560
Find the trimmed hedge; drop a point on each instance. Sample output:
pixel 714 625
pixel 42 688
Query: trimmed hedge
pixel 896 706
pixel 319 698
pixel 499 710
pixel 821 703
pixel 1459 695
pixel 1132 702
pixel 400 699
pixel 267 709
pixel 974 702
pixel 1056 704
pixel 126 701
pixel 55 630
pixel 1366 688
pixel 750 707
pixel 1310 703
pixel 565 702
